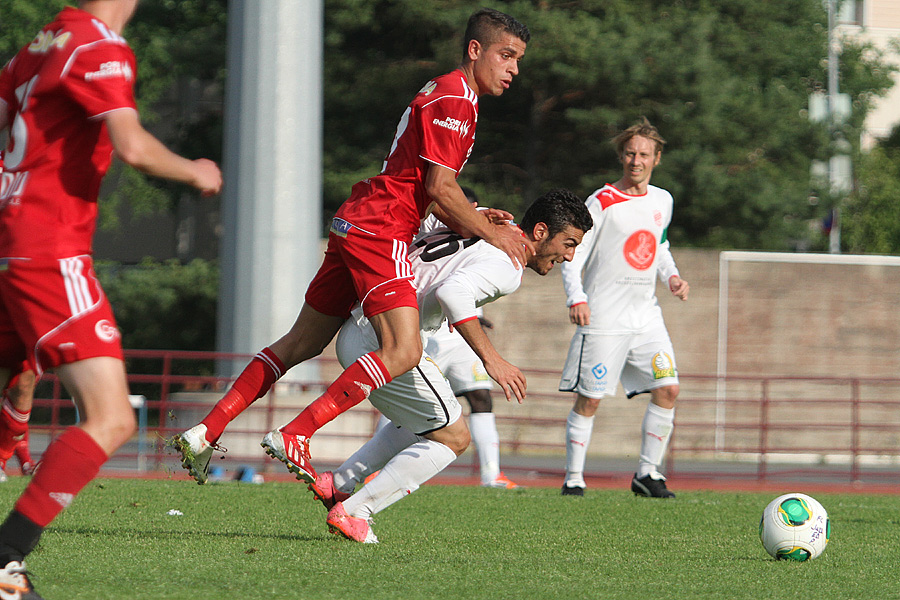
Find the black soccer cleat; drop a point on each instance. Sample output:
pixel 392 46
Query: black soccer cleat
pixel 572 491
pixel 649 487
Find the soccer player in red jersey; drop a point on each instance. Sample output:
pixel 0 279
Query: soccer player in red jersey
pixel 366 259
pixel 67 99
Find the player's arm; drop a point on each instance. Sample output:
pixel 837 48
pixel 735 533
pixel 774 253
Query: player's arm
pixel 668 272
pixel 138 148
pixel 572 271
pixel 482 281
pixel 507 375
pixel 454 209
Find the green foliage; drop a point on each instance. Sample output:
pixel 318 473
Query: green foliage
pixel 726 82
pixel 164 306
pixel 20 20
pixel 237 540
pixel 870 219
pixel 180 50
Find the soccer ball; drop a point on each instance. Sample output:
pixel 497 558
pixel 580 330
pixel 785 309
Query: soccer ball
pixel 794 527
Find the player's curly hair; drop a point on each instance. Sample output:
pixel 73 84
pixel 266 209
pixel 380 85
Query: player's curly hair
pixel 484 25
pixel 642 128
pixel 557 209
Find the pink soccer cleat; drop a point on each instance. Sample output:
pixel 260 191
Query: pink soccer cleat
pixel 325 492
pixel 501 481
pixel 352 528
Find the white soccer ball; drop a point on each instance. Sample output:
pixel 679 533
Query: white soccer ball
pixel 794 527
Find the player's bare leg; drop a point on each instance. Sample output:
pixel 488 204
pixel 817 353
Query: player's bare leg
pixel 100 391
pixel 309 335
pixel 400 350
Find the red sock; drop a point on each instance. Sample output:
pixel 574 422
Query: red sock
pixel 13 426
pixel 254 382
pixel 348 390
pixel 68 465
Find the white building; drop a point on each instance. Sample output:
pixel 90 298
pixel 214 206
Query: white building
pixel 876 21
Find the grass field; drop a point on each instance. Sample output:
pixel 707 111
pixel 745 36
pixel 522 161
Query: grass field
pixel 237 540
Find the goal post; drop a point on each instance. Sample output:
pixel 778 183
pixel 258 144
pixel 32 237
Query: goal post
pixel 858 293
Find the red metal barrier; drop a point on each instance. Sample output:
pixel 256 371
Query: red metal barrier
pixel 753 428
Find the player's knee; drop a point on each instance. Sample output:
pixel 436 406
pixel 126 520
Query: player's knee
pixel 666 396
pixel 480 401
pixel 401 358
pixel 460 441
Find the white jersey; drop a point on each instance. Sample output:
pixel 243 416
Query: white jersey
pixel 455 275
pixel 615 266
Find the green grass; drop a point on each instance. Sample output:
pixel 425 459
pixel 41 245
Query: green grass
pixel 270 541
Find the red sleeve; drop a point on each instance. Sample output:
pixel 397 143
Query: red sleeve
pixel 101 78
pixel 448 130
pixel 7 93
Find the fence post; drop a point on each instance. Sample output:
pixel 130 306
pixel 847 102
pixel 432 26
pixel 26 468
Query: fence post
pixel 854 430
pixel 763 431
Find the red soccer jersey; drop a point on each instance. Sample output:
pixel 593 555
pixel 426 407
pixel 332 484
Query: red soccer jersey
pixel 56 91
pixel 438 127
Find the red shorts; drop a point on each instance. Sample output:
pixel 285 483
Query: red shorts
pixel 53 312
pixel 363 268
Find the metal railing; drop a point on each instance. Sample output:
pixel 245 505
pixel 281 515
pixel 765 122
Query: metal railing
pixel 757 428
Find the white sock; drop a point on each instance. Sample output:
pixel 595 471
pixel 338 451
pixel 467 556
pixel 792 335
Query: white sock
pixel 656 429
pixel 373 455
pixel 403 475
pixel 578 437
pixel 483 428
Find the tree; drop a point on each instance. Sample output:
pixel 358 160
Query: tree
pixel 870 219
pixel 726 83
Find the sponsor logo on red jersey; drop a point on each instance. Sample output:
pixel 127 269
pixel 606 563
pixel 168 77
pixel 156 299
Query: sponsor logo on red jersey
pixel 106 331
pixel 460 127
pixel 113 68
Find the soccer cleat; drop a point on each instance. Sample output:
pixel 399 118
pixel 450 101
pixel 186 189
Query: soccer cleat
pixel 196 452
pixel 15 584
pixel 26 463
pixel 3 476
pixel 572 491
pixel 293 451
pixel 651 486
pixel 502 482
pixel 352 528
pixel 325 492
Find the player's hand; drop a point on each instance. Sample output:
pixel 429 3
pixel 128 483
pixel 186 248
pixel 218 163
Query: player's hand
pixel 509 238
pixel 510 379
pixel 580 314
pixel 497 216
pixel 679 287
pixel 207 177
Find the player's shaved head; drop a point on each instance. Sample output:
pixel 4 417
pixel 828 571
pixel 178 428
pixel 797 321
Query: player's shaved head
pixel 486 25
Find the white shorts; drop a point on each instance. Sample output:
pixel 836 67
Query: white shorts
pixel 420 400
pixel 597 362
pixel 459 363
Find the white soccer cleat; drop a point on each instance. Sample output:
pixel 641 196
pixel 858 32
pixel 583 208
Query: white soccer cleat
pixel 293 451
pixel 15 584
pixel 195 452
